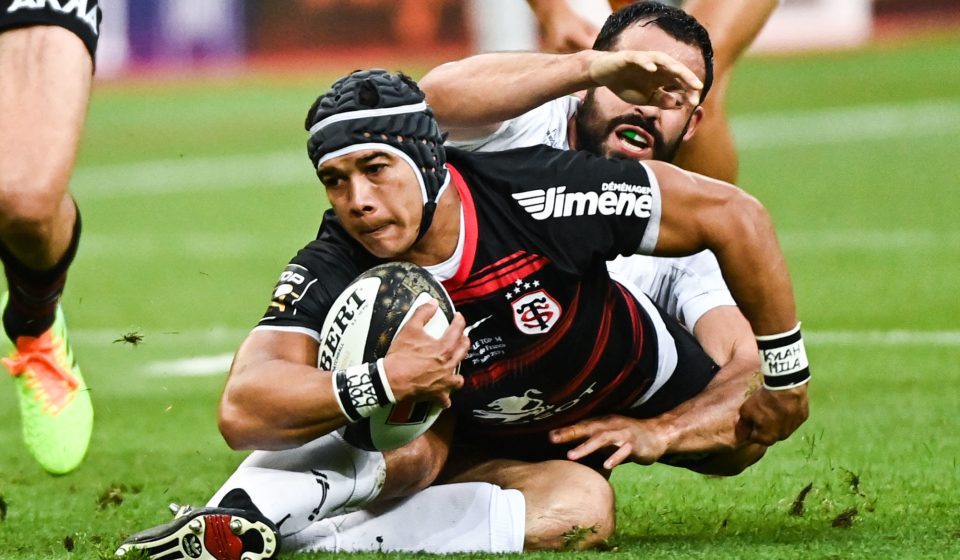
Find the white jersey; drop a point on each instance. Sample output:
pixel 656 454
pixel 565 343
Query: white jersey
pixel 547 125
pixel 685 287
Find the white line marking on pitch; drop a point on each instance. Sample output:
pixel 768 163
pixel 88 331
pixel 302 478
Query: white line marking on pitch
pixel 220 363
pixel 862 123
pixel 210 335
pixel 192 367
pixel 757 131
pixel 885 338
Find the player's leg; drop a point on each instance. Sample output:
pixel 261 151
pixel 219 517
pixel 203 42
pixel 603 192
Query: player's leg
pixel 285 491
pixel 568 505
pixel 699 401
pixel 712 150
pixel 292 490
pixel 46 64
pixel 450 518
pixel 43 102
pixel 733 25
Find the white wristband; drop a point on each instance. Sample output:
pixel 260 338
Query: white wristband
pixel 360 390
pixel 783 360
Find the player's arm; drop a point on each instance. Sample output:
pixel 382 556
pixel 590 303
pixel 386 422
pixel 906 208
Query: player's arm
pixel 707 422
pixel 471 97
pixel 703 424
pixel 276 398
pixel 701 213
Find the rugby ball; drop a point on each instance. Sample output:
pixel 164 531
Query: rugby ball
pixel 360 327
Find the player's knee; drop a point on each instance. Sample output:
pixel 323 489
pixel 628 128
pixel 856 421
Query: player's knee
pixel 27 211
pixel 572 508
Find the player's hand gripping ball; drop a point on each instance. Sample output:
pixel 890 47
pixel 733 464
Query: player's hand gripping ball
pixel 360 327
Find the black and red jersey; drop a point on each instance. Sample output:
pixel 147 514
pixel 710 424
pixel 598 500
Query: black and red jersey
pixel 556 339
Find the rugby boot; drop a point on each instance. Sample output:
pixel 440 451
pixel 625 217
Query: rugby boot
pixel 209 533
pixel 55 408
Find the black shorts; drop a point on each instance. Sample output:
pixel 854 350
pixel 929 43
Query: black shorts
pixel 695 369
pixel 82 17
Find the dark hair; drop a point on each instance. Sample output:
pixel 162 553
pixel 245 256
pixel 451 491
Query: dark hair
pixel 673 21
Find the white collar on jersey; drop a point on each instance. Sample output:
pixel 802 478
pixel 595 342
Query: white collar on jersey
pixel 448 268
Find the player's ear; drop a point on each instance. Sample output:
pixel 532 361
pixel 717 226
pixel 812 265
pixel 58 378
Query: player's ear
pixel 695 119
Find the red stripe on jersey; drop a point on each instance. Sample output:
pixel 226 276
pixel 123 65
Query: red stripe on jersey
pixel 600 397
pixel 637 323
pixel 603 335
pixel 470 230
pixel 505 264
pixel 489 375
pixel 498 276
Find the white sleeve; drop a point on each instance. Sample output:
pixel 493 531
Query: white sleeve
pixel 685 287
pixel 546 124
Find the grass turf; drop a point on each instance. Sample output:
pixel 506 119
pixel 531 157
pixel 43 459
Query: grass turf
pixel 195 194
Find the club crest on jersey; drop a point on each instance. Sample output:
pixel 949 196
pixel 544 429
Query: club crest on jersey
pixel 535 312
pixel 620 199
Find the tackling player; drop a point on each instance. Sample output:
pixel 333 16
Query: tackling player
pixel 733 25
pixel 46 65
pixel 626 106
pixel 519 239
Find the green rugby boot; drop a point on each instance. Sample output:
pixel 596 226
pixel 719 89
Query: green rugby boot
pixel 55 408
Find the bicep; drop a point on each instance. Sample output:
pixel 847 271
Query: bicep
pixel 265 345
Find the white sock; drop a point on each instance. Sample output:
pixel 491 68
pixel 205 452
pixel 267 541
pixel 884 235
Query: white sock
pixel 295 488
pixel 466 517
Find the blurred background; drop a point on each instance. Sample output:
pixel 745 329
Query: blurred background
pixel 152 35
pixel 196 191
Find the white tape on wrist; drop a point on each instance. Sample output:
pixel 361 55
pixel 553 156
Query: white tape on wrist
pixel 783 360
pixel 362 389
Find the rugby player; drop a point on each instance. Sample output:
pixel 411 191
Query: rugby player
pixel 500 101
pixel 519 239
pixel 46 64
pixel 733 26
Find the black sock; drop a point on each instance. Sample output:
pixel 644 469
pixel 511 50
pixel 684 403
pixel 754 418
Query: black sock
pixel 34 294
pixel 237 498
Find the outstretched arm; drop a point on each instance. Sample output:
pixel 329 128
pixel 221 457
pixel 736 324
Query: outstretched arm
pixel 699 212
pixel 471 97
pixel 704 424
pixel 702 213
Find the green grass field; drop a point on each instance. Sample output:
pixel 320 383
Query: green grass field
pixel 195 194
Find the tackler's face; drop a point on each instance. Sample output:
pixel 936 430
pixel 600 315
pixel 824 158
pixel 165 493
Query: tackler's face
pixel 609 126
pixel 378 198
